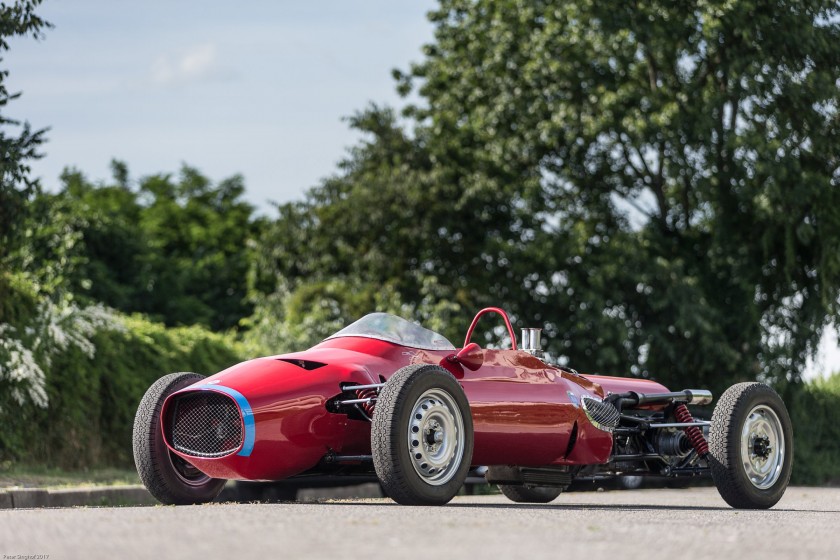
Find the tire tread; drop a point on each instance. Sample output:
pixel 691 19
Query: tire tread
pixel 147 457
pixel 531 495
pixel 724 444
pixel 391 469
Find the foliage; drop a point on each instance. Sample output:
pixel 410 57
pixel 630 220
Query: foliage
pixel 700 121
pixel 27 350
pixel 815 412
pixel 94 368
pixel 175 249
pixel 18 300
pixel 290 320
pixel 19 144
pixel 399 229
pixel 655 183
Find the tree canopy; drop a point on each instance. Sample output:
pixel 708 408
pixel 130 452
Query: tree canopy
pixel 172 247
pixel 656 182
pixel 19 143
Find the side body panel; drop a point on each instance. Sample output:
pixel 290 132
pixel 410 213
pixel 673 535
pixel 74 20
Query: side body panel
pixel 524 411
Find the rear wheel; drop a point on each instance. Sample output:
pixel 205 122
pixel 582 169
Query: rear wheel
pixel 168 477
pixel 530 494
pixel 751 444
pixel 630 482
pixel 422 436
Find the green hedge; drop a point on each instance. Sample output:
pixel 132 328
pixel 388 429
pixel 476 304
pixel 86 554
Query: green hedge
pixel 815 412
pixel 92 402
pixel 17 299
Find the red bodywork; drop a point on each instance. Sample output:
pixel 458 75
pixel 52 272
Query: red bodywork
pixel 524 411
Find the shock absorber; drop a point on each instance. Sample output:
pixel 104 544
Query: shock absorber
pixel 367 394
pixel 695 434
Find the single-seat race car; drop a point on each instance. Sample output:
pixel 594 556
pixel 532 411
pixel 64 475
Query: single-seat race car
pixel 386 396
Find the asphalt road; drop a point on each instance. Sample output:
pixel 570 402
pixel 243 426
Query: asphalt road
pixel 673 524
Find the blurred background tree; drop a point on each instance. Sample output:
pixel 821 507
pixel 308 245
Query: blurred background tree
pixel 174 248
pixel 19 144
pixel 654 182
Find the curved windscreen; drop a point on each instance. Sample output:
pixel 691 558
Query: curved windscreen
pixel 391 328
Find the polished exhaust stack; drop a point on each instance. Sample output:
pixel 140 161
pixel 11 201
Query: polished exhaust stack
pixel 531 341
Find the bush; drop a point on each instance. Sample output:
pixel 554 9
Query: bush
pixel 93 384
pixel 815 412
pixel 18 301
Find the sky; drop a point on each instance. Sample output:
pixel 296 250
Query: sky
pixel 258 88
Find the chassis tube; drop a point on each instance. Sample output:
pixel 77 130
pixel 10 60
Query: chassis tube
pixel 632 398
pixel 689 396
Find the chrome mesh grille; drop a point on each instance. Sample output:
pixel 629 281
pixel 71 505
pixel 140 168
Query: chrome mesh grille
pixel 603 415
pixel 205 424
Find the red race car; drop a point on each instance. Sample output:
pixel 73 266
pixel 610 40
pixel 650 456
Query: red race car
pixel 389 397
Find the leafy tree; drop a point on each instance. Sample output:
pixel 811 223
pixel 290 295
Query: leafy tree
pixel 113 242
pixel 656 182
pixel 196 265
pixel 18 142
pixel 398 219
pixel 173 248
pixel 696 142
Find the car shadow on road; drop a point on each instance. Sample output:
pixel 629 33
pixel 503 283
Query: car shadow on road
pixel 543 507
pixel 585 507
pixel 579 507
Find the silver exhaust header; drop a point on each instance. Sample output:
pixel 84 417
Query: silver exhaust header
pixel 531 341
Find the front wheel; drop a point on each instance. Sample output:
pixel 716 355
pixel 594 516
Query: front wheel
pixel 168 477
pixel 422 436
pixel 751 444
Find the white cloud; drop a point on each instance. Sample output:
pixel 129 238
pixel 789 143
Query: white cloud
pixel 199 63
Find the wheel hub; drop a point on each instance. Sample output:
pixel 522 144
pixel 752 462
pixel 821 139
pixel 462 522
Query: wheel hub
pixel 436 436
pixel 762 447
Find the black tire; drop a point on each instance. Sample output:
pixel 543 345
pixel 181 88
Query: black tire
pixel 169 478
pixel 530 494
pixel 392 447
pixel 741 406
pixel 630 482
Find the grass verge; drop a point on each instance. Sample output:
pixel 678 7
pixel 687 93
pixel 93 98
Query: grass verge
pixel 44 477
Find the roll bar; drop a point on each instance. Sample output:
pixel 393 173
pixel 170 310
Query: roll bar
pixel 484 312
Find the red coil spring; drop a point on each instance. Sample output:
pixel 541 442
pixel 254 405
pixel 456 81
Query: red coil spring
pixel 367 394
pixel 695 434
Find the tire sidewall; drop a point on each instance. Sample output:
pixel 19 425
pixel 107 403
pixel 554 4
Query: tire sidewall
pixel 757 394
pixel 156 469
pixel 530 494
pixel 418 382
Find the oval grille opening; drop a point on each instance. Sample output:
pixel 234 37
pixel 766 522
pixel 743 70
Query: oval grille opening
pixel 206 424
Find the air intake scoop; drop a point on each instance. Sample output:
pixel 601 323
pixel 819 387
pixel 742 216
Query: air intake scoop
pixel 205 424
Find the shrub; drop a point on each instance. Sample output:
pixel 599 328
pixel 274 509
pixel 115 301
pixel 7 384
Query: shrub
pixel 71 379
pixel 815 412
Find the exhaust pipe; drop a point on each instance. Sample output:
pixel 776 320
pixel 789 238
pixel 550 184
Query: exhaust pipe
pixel 531 341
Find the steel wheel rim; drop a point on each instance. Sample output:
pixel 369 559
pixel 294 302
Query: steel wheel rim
pixel 186 472
pixel 436 437
pixel 762 447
